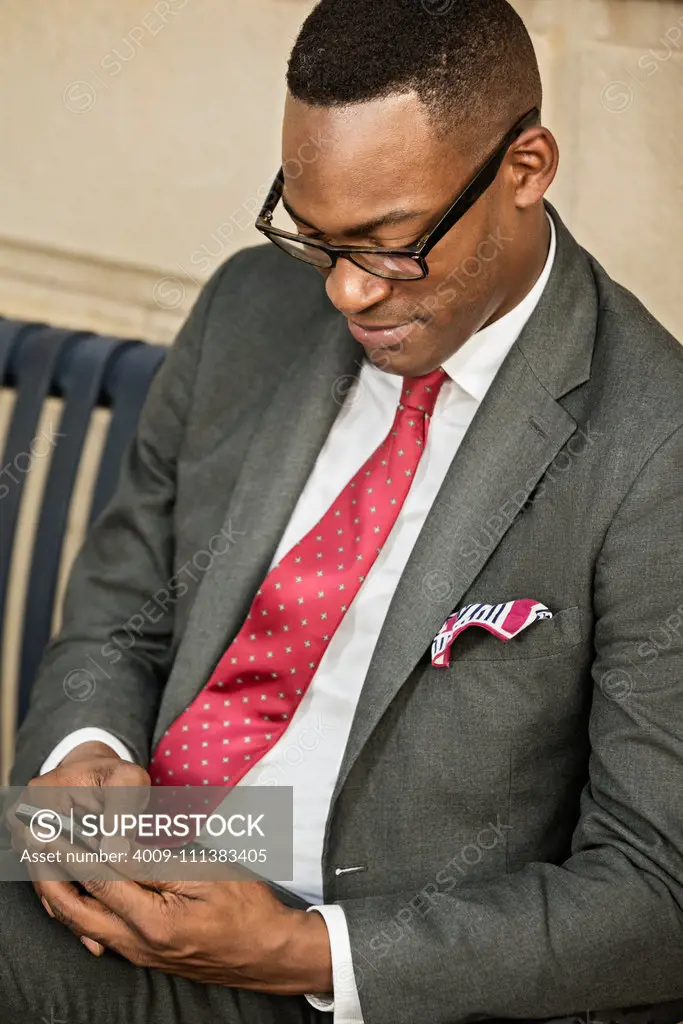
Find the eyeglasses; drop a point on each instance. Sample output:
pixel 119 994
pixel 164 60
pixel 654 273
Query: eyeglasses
pixel 406 264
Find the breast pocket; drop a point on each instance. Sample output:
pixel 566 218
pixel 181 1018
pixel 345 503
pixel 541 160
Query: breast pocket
pixel 540 639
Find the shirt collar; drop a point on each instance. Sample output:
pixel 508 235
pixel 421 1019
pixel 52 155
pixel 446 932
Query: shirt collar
pixel 477 362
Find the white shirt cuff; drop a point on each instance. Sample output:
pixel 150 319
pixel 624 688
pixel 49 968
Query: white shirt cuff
pixel 344 1002
pixel 74 739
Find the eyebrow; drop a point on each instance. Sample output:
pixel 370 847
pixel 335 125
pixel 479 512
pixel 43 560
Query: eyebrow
pixel 393 217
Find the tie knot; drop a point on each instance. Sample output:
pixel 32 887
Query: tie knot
pixel 421 393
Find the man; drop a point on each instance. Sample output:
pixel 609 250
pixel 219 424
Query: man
pixel 490 829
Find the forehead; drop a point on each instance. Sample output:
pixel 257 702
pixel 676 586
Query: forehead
pixel 366 157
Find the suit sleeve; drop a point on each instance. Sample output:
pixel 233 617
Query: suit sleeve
pixel 127 558
pixel 604 929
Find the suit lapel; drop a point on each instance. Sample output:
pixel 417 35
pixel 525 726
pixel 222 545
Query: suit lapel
pixel 491 476
pixel 517 432
pixel 276 467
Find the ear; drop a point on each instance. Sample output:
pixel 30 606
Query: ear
pixel 533 163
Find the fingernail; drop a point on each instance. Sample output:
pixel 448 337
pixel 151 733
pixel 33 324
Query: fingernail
pixel 115 845
pixel 47 906
pixel 93 947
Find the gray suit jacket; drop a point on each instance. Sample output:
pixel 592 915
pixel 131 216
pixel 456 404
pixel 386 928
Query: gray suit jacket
pixel 519 815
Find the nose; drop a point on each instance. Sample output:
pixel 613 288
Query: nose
pixel 352 290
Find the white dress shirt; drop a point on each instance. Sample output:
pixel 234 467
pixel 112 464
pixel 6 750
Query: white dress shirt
pixel 308 755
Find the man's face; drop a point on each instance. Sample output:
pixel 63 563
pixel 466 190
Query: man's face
pixel 378 174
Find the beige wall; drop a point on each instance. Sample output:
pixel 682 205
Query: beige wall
pixel 136 135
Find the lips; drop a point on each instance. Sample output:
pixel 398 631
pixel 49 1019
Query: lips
pixel 381 337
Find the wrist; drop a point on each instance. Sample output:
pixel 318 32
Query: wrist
pixel 88 751
pixel 302 959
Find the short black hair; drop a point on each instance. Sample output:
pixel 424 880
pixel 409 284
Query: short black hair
pixel 470 61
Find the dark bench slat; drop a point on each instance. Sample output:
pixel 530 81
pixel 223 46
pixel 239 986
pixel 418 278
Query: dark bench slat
pixel 30 370
pixel 79 376
pixel 125 388
pixel 10 334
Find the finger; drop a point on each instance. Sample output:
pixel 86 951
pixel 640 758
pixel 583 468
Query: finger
pixel 62 791
pixel 79 787
pixel 57 861
pixel 125 796
pixel 45 892
pixel 93 947
pixel 154 868
pixel 40 873
pixel 130 902
pixel 121 859
pixel 85 916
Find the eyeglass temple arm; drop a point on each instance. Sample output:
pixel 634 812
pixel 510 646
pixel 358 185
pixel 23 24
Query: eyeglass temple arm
pixel 477 186
pixel 273 197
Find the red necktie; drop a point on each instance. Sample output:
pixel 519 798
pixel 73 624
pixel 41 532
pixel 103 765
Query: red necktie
pixel 261 679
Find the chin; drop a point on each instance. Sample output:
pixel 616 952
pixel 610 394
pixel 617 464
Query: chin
pixel 404 360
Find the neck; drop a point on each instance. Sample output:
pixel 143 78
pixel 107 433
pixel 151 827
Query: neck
pixel 530 261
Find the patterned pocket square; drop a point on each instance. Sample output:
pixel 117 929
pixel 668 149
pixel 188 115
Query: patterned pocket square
pixel 503 620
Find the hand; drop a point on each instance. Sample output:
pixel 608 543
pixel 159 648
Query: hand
pixel 88 766
pixel 220 933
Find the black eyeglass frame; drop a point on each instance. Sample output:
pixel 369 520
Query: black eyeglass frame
pixel 420 249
